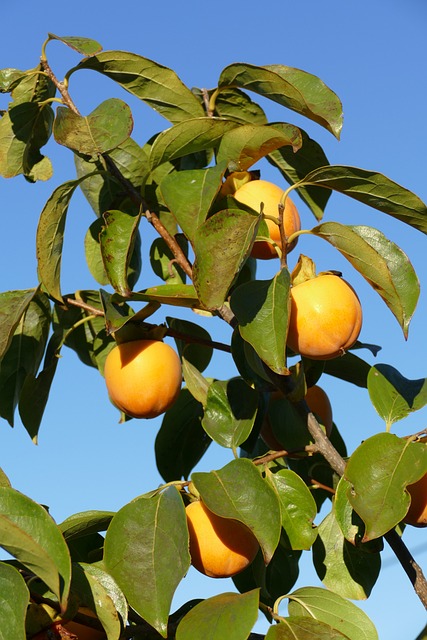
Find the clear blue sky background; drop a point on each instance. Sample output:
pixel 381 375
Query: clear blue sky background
pixel 372 54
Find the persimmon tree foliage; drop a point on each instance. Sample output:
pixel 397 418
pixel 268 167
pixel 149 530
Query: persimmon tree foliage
pixel 117 572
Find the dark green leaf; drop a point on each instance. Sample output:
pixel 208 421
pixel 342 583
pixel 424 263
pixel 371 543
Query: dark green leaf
pixel 238 491
pixel 157 85
pixel 192 349
pixel 299 628
pixel 34 397
pixel 350 368
pixel 379 471
pixel 147 544
pixel 262 308
pixel 117 242
pixel 230 412
pixel 14 601
pixel 108 126
pixel 394 396
pixel 29 534
pixel 13 305
pixel 221 245
pixel 85 46
pixel 227 615
pixel 163 260
pixel 381 262
pixel 33 86
pixel 292 88
pixel 85 523
pixel 234 104
pixel 374 190
pixel 332 609
pixel 181 440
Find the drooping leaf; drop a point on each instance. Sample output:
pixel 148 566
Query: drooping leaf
pixel 190 136
pixel 193 342
pixel 262 309
pixel 230 412
pixel 379 471
pixel 381 262
pixel 298 508
pixel 29 534
pixel 344 568
pixel 147 544
pixel 85 523
pixel 197 384
pixel 14 599
pixel 190 194
pixel 243 146
pixel 299 628
pixel 34 397
pixel 394 396
pixel 332 609
pixel 292 88
pixel 373 189
pixel 181 441
pixel 350 368
pixel 149 81
pixel 85 46
pixel 13 305
pixel 221 245
pixel 117 241
pixel 108 126
pixel 238 491
pixel 227 615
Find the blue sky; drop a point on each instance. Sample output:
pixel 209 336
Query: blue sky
pixel 372 54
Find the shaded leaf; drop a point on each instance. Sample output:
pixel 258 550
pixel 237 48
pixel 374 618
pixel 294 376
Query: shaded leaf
pixel 234 104
pixel 227 615
pixel 232 492
pixel 108 126
pixel 394 396
pixel 117 241
pixel 189 338
pixel 374 190
pixel 292 88
pixel 85 523
pixel 262 309
pixel 29 534
pixel 299 628
pixel 147 544
pixel 157 85
pixel 13 305
pixel 350 368
pixel 34 397
pixel 379 471
pixel 221 245
pixel 163 260
pixel 85 46
pixel 381 262
pixel 332 609
pixel 14 600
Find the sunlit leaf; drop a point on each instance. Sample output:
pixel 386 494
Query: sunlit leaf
pixel 299 628
pixel 85 46
pixel 85 523
pixel 14 599
pixel 234 104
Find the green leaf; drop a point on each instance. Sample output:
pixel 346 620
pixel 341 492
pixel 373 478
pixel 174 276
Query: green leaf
pixel 163 260
pixel 50 237
pixel 4 480
pixel 149 81
pixel 181 441
pixel 230 412
pixel 221 245
pixel 243 146
pixel 292 88
pixel 234 104
pixel 189 195
pixel 294 166
pixel 117 242
pixel 147 544
pixel 332 609
pixel 29 534
pixel 342 567
pixel 85 523
pixel 34 397
pixel 13 305
pixel 299 628
pixel 108 126
pixel 197 385
pixel 189 338
pixel 14 599
pixel 190 136
pixel 177 295
pixel 374 190
pixel 33 86
pixel 85 46
pixel 394 396
pixel 227 615
pixel 262 309
pixel 381 262
pixel 379 471
pixel 238 491
pixel 350 368
pixel 350 523
pixel 8 79
pixel 298 508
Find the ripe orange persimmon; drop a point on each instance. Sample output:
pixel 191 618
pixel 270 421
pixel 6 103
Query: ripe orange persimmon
pixel 325 317
pixel 417 513
pixel 143 377
pixel 219 547
pixel 254 192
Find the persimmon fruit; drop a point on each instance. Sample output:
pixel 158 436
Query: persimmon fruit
pixel 325 317
pixel 143 377
pixel 254 192
pixel 219 547
pixel 417 512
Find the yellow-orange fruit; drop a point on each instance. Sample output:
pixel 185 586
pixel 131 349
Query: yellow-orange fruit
pixel 143 377
pixel 417 513
pixel 219 547
pixel 82 631
pixel 325 318
pixel 254 192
